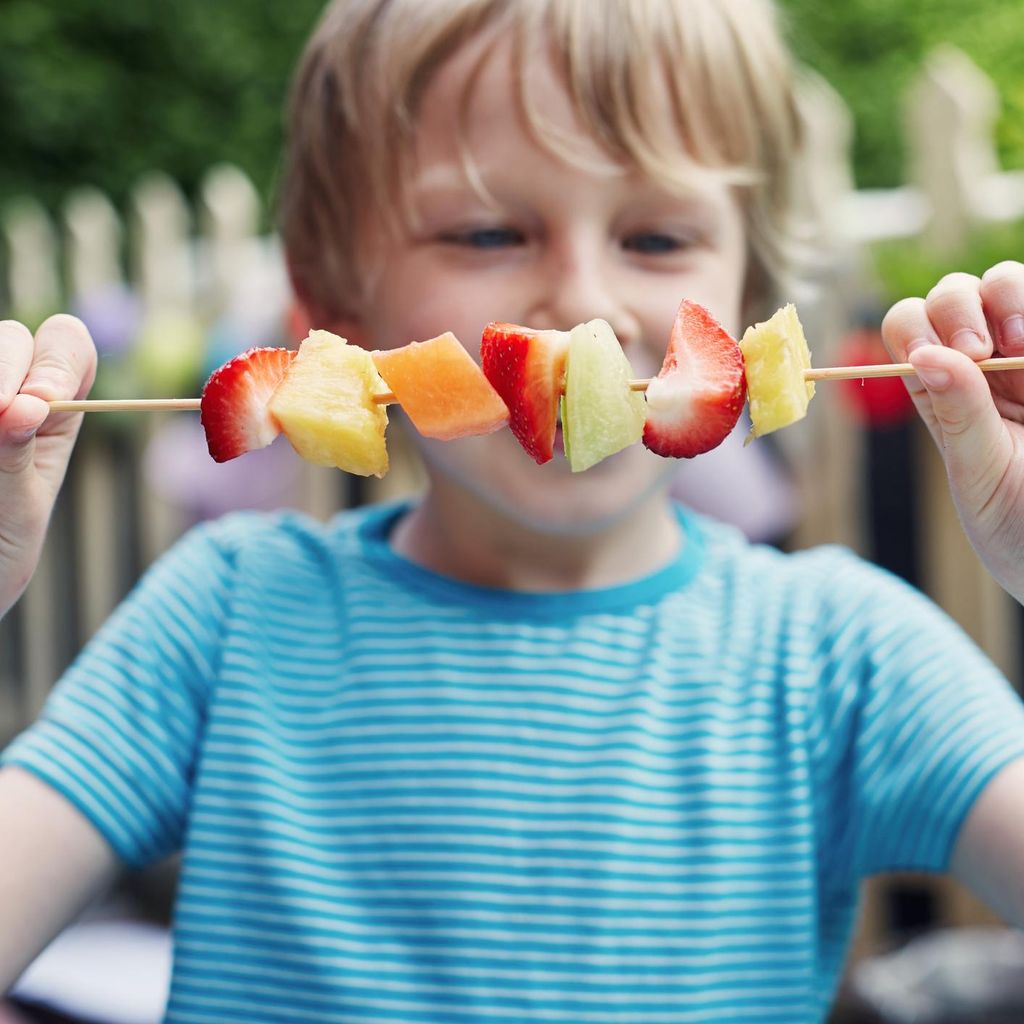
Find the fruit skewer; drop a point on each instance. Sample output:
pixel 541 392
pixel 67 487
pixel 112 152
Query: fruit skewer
pixel 822 373
pixel 329 398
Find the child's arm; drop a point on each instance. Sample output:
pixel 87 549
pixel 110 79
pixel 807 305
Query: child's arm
pixel 51 860
pixel 52 863
pixel 977 420
pixel 989 855
pixel 59 362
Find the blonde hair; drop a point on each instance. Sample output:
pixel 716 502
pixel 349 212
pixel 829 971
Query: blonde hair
pixel 721 64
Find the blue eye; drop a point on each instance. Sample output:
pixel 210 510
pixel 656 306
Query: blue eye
pixel 485 238
pixel 654 242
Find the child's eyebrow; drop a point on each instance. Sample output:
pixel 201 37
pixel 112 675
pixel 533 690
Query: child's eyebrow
pixel 689 200
pixel 440 177
pixel 455 178
pixel 450 182
pixel 445 182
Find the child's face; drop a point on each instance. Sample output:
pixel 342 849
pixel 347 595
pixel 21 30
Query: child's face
pixel 559 245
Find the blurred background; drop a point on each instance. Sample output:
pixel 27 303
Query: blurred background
pixel 141 154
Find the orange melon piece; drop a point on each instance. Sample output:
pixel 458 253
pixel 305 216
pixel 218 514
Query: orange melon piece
pixel 442 390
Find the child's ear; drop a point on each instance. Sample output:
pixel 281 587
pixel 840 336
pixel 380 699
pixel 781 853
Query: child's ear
pixel 300 321
pixel 297 321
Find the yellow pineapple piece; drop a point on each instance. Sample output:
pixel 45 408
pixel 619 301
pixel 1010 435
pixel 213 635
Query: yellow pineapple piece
pixel 775 354
pixel 325 406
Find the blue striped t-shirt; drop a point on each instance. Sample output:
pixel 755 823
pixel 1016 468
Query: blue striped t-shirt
pixel 406 799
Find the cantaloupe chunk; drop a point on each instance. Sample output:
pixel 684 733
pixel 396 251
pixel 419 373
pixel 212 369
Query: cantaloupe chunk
pixel 326 409
pixel 441 389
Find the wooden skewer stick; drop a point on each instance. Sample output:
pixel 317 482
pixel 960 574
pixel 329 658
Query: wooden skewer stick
pixel 901 369
pixel 126 405
pixel 387 398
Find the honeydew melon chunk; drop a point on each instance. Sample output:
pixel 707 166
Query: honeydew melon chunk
pixel 565 433
pixel 326 409
pixel 601 415
pixel 775 355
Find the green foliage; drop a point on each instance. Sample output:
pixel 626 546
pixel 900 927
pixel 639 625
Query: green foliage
pixel 99 91
pixel 870 50
pixel 906 267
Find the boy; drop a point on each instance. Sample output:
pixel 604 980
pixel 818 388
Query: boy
pixel 539 747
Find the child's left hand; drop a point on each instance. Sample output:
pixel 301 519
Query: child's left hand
pixel 976 419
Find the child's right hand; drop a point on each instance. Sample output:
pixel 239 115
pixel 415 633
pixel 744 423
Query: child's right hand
pixel 58 363
pixel 976 419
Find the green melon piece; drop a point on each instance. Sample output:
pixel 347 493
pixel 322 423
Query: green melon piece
pixel 600 414
pixel 565 433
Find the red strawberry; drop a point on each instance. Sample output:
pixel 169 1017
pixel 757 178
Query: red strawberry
pixel 696 399
pixel 233 409
pixel 527 368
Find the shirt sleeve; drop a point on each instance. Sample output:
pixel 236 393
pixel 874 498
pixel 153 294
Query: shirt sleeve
pixel 912 721
pixel 119 733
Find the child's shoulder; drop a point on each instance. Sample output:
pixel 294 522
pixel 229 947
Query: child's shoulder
pixel 829 585
pixel 261 546
pixel 728 551
pixel 247 531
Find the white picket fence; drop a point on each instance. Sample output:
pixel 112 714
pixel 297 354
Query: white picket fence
pixel 171 290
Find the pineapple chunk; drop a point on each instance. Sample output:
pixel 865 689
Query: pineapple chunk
pixel 325 406
pixel 775 354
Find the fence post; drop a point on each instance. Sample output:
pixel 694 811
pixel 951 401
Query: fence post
pixel 166 278
pixel 34 291
pixel 824 171
pixel 160 225
pixel 230 220
pixel 951 109
pixel 93 242
pixel 33 277
pixel 827 453
pixel 93 239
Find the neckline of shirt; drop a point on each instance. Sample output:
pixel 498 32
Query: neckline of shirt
pixel 377 522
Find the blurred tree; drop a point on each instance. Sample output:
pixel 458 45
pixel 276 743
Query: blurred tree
pixel 870 49
pixel 909 266
pixel 99 91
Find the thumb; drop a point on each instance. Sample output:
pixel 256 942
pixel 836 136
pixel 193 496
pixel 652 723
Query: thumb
pixel 974 441
pixel 19 424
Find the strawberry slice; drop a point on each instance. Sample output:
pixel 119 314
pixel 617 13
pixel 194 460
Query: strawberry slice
pixel 696 399
pixel 527 368
pixel 233 407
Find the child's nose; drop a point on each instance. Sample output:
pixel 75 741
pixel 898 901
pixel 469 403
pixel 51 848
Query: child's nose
pixel 577 287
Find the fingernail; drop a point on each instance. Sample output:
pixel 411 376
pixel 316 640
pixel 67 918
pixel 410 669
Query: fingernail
pixel 918 343
pixel 934 377
pixel 1012 332
pixel 969 342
